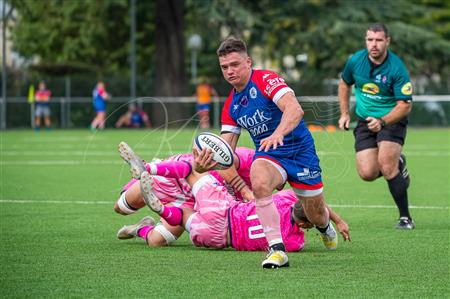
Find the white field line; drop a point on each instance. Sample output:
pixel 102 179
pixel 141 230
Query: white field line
pixel 82 153
pixel 44 153
pixel 83 202
pixel 61 162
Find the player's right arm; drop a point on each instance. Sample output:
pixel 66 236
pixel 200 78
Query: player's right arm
pixel 344 91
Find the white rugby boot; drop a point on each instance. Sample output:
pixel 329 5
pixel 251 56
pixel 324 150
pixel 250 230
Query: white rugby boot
pixel 150 199
pixel 134 161
pixel 130 231
pixel 275 259
pixel 329 238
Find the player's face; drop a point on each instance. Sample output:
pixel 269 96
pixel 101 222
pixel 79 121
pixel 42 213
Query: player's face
pixel 236 69
pixel 377 43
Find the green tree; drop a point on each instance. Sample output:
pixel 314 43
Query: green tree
pixel 75 34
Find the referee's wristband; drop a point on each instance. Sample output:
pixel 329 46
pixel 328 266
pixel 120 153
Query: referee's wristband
pixel 382 122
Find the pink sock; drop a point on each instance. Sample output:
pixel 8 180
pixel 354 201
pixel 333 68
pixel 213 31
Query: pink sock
pixel 270 219
pixel 170 169
pixel 173 215
pixel 143 231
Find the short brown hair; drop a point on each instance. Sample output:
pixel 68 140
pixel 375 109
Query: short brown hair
pixel 231 45
pixel 378 27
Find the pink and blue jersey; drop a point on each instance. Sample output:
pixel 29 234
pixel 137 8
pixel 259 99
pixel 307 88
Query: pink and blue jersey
pixel 255 109
pixel 99 95
pixel 247 233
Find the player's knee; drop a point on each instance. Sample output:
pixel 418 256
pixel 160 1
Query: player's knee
pixel 368 174
pixel 389 170
pixel 123 207
pixel 261 187
pixel 160 236
pixel 117 209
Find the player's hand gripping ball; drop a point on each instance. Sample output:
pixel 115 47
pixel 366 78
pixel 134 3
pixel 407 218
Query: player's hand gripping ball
pixel 222 152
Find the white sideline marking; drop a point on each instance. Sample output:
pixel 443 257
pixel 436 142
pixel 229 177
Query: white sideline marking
pixel 43 153
pixel 387 207
pixel 60 162
pixel 83 202
pixel 77 202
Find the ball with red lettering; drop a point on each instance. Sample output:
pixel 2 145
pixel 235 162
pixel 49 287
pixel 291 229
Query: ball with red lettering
pixel 222 152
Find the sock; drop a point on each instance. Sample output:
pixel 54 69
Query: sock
pixel 170 169
pixel 143 231
pixel 278 246
pixel 397 186
pixel 323 229
pixel 270 220
pixel 173 215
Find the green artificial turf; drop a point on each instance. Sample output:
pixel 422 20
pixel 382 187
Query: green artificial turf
pixel 58 228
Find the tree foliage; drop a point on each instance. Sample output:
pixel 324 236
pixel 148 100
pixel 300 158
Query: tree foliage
pixel 95 34
pixel 73 32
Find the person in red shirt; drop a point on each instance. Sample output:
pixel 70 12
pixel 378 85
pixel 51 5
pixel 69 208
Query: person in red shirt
pixel 42 99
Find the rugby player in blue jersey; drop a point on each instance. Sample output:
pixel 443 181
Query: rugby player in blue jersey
pixel 263 104
pixel 383 94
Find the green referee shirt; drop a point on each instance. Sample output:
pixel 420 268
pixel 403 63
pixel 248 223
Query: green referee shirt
pixel 377 87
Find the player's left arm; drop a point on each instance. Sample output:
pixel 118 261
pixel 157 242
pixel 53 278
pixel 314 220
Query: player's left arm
pixel 292 115
pixel 341 225
pixel 401 110
pixel 402 90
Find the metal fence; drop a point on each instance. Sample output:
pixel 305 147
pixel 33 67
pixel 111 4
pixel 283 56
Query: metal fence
pixel 77 112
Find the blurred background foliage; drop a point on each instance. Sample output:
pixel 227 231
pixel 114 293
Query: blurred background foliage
pixel 90 40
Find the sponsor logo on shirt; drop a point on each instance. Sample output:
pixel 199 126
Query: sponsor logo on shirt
pixel 255 124
pixel 378 78
pixel 244 101
pixel 407 89
pixel 253 93
pixel 272 84
pixel 370 88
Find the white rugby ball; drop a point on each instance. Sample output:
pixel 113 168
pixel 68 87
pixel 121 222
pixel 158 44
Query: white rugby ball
pixel 222 152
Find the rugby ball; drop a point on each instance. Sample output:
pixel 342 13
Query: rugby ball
pixel 222 152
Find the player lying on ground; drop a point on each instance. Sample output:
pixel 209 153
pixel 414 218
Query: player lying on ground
pixel 176 214
pixel 220 221
pixel 170 186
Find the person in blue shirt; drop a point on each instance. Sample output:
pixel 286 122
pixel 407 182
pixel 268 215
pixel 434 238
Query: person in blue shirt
pixel 99 97
pixel 383 94
pixel 134 118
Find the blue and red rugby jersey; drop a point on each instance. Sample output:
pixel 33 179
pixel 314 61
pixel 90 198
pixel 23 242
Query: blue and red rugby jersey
pixel 255 109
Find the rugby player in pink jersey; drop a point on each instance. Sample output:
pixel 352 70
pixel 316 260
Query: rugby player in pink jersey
pixel 170 186
pixel 219 221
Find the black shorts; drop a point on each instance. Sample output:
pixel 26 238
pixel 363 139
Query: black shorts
pixel 364 138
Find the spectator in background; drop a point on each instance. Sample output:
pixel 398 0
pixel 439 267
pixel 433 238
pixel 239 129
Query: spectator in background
pixel 204 93
pixel 42 99
pixel 134 118
pixel 100 96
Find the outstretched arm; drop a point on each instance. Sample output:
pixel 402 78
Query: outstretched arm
pixel 341 225
pixel 292 115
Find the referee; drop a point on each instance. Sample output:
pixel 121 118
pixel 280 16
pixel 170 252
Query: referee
pixel 383 102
